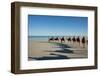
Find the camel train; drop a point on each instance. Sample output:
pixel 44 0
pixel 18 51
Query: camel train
pixel 57 39
pixel 69 39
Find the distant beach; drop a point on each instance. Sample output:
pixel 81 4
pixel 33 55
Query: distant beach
pixel 39 48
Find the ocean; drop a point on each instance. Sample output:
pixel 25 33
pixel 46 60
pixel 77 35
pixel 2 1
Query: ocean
pixel 39 38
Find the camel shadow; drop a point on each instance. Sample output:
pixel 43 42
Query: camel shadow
pixel 64 51
pixel 57 56
pixel 53 54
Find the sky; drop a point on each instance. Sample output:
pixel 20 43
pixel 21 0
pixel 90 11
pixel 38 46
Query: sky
pixel 46 25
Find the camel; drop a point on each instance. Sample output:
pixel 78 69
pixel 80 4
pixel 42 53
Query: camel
pixel 87 41
pixel 51 39
pixel 56 39
pixel 74 40
pixel 83 41
pixel 62 39
pixel 69 39
pixel 78 40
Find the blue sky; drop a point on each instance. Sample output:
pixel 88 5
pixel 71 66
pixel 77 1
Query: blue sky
pixel 43 25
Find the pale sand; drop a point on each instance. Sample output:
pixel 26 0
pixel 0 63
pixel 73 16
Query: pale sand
pixel 55 50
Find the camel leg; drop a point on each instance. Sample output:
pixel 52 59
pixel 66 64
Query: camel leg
pixel 79 43
pixel 61 41
pixel 83 45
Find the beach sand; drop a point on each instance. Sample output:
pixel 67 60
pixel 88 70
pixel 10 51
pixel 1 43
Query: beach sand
pixel 42 50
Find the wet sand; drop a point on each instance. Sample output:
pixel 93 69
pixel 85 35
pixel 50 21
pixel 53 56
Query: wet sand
pixel 55 50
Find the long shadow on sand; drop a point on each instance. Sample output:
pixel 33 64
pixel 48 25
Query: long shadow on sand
pixel 54 55
pixel 57 56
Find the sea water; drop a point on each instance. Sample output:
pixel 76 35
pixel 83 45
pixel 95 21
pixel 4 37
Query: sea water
pixel 38 38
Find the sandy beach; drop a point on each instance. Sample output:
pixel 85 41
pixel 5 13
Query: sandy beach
pixel 44 50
